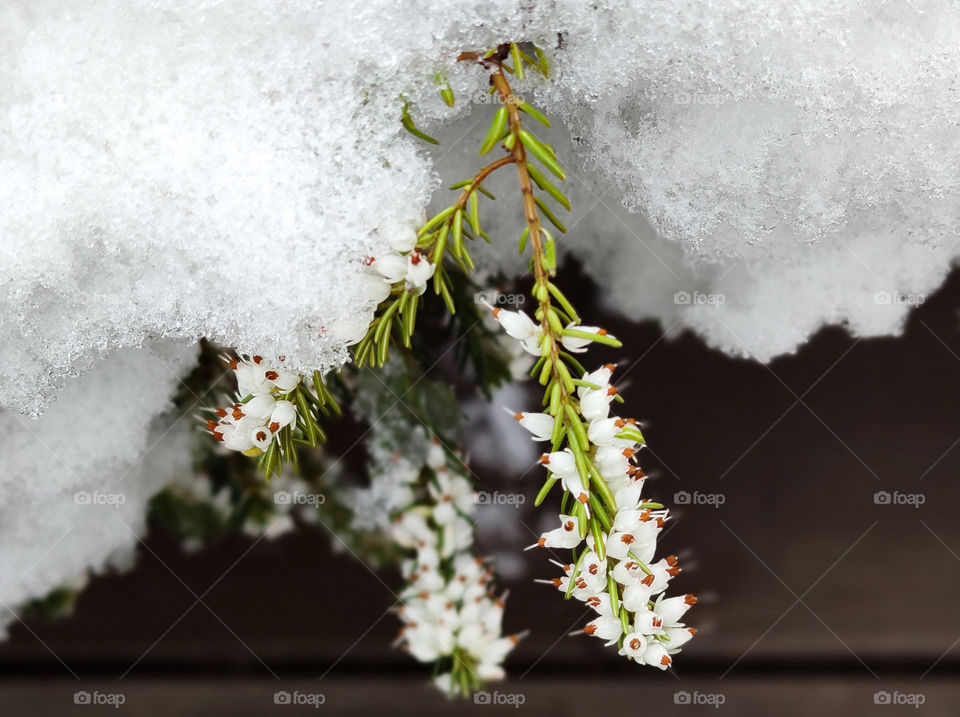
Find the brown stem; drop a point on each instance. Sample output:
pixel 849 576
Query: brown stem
pixel 530 215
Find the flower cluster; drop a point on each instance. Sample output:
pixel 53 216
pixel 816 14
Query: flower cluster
pixel 402 263
pixel 274 411
pixel 252 423
pixel 610 527
pixel 450 615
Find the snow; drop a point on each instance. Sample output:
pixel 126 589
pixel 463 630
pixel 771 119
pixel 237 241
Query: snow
pixel 75 483
pixel 172 169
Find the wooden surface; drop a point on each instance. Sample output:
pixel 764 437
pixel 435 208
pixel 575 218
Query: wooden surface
pixel 813 595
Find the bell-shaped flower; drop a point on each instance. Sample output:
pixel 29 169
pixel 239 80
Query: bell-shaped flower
pixel 595 405
pixel 284 414
pixel 261 437
pixel 672 609
pixel 647 622
pixel 374 288
pixel 600 603
pixel 286 381
pixel 594 571
pixel 600 378
pixel 391 267
pixel 656 655
pixel 628 496
pixel 678 637
pixel 237 440
pixel 604 432
pixel 634 645
pixel 436 456
pixel 259 407
pixel 613 462
pixel 419 270
pixel 627 572
pixel 637 596
pixel 539 424
pixel 619 544
pixel 252 380
pixel 605 627
pixel 452 495
pixel 560 463
pixel 566 536
pixel 531 344
pixel 578 344
pixel 516 323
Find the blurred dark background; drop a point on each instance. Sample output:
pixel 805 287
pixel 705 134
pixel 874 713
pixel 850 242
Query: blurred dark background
pixel 821 535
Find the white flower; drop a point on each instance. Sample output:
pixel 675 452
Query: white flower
pixel 560 463
pixel 236 440
pixel 672 609
pixel 627 572
pixel 539 424
pixel 601 603
pixel 635 597
pixel 594 571
pixel 284 414
pixel 374 287
pixel 261 437
pixel 251 378
pixel 647 622
pixel 679 636
pixel 391 267
pixel 516 323
pixel 619 544
pixel 286 381
pixel 595 405
pixel 563 465
pixel 436 456
pixel 634 645
pixel 452 493
pixel 566 536
pixel 628 495
pixel 531 344
pixel 577 344
pixel 606 627
pixel 419 270
pixel 603 432
pixel 656 655
pixel 613 462
pixel 600 377
pixel 258 407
